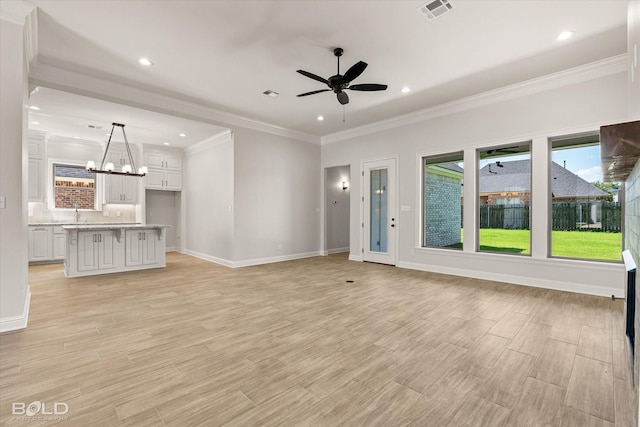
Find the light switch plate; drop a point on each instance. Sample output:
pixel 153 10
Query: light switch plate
pixel 405 208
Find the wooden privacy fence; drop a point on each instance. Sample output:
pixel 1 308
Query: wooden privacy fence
pixel 566 216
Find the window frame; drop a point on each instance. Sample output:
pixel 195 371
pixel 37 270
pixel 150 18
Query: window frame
pixel 422 159
pixel 51 202
pixel 577 140
pixel 478 160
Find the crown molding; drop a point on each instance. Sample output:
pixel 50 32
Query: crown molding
pixel 49 75
pixel 594 70
pixel 206 144
pixel 15 11
pixel 31 39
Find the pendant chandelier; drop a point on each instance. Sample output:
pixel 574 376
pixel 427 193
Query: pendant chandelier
pixel 128 169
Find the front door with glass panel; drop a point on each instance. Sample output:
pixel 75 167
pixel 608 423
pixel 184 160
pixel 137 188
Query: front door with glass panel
pixel 380 212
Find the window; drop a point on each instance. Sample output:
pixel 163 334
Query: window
pixel 73 187
pixel 442 201
pixel 504 187
pixel 586 214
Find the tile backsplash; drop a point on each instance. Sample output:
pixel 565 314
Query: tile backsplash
pixel 39 213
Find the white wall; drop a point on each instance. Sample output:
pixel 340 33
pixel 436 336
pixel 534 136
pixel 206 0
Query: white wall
pixel 163 207
pixel 585 105
pixel 337 208
pixel 277 197
pixel 14 287
pixel 208 190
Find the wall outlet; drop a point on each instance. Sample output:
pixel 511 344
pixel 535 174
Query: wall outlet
pixel 117 213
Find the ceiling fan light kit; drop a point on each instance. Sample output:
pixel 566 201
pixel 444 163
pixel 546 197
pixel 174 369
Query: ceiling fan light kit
pixel 339 83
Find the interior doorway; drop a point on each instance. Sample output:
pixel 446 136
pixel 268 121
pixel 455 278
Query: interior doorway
pixel 337 202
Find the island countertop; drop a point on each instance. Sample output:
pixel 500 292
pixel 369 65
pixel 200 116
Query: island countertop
pixel 111 226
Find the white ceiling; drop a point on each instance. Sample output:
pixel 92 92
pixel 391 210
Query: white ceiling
pixel 224 54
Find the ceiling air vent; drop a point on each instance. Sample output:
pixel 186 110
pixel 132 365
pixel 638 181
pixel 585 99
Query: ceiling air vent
pixel 271 93
pixel 435 9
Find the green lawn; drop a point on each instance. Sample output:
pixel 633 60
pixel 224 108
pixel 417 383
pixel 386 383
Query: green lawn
pixel 571 244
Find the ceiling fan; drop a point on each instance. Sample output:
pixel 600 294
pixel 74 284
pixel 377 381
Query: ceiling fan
pixel 339 82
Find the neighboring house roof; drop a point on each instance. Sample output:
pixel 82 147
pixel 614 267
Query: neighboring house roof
pixel 515 176
pixel 447 169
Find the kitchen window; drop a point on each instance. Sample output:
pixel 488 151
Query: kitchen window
pixel 73 187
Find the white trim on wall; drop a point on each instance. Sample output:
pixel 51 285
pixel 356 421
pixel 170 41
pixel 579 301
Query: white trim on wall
pixel 52 75
pixel 609 66
pixel 14 323
pixel 251 262
pixel 605 290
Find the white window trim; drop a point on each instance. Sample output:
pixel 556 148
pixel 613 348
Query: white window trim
pixel 97 206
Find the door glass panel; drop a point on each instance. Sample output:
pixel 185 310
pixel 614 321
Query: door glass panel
pixel 378 214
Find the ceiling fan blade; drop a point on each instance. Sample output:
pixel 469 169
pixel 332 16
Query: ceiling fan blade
pixel 313 76
pixel 368 87
pixel 353 72
pixel 343 98
pixel 314 92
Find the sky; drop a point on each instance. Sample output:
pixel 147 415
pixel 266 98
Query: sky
pixel 583 161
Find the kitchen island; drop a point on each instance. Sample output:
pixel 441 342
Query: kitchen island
pixel 112 248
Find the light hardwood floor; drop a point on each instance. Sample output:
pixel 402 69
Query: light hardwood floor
pixel 294 344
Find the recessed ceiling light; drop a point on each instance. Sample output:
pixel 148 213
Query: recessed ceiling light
pixel 183 134
pixel 145 61
pixel 35 123
pixel 166 143
pixel 34 107
pixel 271 93
pixel 406 89
pixel 564 35
pixel 320 118
pixel 76 137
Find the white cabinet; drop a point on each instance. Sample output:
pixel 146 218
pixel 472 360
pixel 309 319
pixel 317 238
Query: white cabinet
pixel 119 157
pixel 59 243
pixel 121 189
pixel 141 247
pixel 101 249
pixel 40 248
pixel 46 243
pixel 35 180
pixel 118 188
pixel 36 177
pixel 96 250
pixel 164 170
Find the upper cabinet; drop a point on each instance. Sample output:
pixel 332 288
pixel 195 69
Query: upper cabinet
pixel 164 170
pixel 37 164
pixel 118 188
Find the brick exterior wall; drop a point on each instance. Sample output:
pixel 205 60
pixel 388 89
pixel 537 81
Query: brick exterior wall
pixel 67 196
pixel 442 213
pixel 632 242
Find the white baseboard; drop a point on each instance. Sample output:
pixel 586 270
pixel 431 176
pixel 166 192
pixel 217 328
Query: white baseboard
pixel 517 280
pixel 209 258
pixel 280 258
pixel 14 323
pixel 337 250
pixel 353 257
pixel 170 249
pixel 250 262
